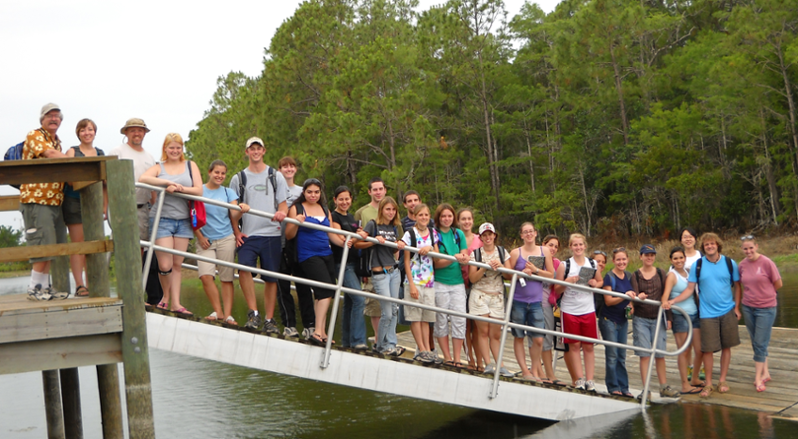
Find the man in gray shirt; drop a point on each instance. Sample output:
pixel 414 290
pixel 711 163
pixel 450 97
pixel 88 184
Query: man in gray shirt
pixel 263 189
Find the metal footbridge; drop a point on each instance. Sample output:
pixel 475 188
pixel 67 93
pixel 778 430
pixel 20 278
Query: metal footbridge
pixel 371 371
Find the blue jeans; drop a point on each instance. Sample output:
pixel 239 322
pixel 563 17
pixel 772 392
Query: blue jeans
pixel 353 327
pixel 759 322
pixel 617 378
pixel 387 285
pixel 529 314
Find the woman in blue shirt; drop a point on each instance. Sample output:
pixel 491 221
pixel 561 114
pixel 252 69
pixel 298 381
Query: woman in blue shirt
pixel 216 240
pixel 613 323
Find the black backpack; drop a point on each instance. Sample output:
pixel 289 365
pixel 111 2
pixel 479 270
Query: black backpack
pixel 242 186
pixel 599 298
pixel 414 241
pixel 502 257
pixel 568 270
pixel 441 245
pixel 363 266
pixel 15 153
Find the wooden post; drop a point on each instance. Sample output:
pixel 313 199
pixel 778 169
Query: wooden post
pixel 70 395
pixel 54 387
pixel 127 259
pixel 52 405
pixel 97 274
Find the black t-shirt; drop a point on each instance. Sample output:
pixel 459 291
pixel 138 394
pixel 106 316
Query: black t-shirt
pixel 382 256
pixel 349 224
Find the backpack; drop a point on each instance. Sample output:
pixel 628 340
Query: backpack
pixel 502 258
pixel 290 244
pixel 15 153
pixel 442 247
pixel 659 274
pixel 728 265
pixel 242 186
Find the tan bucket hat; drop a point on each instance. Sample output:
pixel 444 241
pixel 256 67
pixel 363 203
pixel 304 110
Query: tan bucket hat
pixel 48 108
pixel 134 122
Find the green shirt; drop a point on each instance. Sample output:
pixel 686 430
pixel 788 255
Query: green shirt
pixel 366 214
pixel 451 274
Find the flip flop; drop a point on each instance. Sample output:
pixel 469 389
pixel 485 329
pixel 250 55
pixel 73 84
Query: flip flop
pixel 230 321
pixel 761 387
pixel 765 380
pixel 723 387
pixel 617 393
pixel 693 391
pixel 701 384
pixel 212 317
pixel 628 394
pixel 325 341
pixel 162 305
pixel 183 311
pixel 559 383
pixel 315 339
pixel 707 392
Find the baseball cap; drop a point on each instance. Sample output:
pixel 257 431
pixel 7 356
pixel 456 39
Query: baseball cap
pixel 647 248
pixel 253 140
pixel 486 227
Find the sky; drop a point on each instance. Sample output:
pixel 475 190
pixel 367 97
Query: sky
pixel 110 61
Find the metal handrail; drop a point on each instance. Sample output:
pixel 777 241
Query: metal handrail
pixel 340 288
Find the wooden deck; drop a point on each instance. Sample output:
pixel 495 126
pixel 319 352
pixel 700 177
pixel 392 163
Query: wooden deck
pixel 59 333
pixel 780 399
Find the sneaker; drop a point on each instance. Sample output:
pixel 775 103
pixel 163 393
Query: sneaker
pixel 307 332
pixel 640 396
pixel 253 320
pixel 580 384
pixel 505 373
pixel 361 347
pixel 668 392
pixel 434 355
pixel 419 355
pixel 36 293
pixel 490 368
pixel 56 295
pixel 427 357
pixel 290 332
pixel 590 386
pixel 270 327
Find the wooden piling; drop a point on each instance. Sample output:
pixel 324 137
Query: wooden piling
pixel 127 258
pixel 52 405
pixel 70 395
pixel 98 278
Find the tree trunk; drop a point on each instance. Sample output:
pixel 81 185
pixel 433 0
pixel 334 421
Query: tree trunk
pixel 619 90
pixel 791 103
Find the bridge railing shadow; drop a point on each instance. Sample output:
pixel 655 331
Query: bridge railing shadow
pixel 339 288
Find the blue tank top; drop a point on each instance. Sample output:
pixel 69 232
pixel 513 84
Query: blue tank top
pixel 312 242
pixel 533 291
pixel 681 283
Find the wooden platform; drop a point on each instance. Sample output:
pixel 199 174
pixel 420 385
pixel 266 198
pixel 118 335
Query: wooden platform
pixel 780 399
pixel 58 334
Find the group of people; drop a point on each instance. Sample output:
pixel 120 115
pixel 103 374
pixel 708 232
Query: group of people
pixel 416 277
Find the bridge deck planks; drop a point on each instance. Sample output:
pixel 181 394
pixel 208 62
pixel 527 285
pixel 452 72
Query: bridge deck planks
pixel 780 398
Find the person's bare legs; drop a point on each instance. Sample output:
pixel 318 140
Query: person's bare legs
pixel 248 289
pixel 443 342
pixel 709 363
pixel 165 264
pixel 698 358
pixel 682 361
pixel 77 263
pixel 535 353
pixel 213 295
pixel 375 323
pixel 725 360
pixel 590 360
pixel 176 277
pixel 227 299
pixel 573 361
pixel 482 345
pixel 419 335
pixel 548 364
pixel 321 317
pixel 520 355
pixel 269 299
pixel 457 345
pixel 495 341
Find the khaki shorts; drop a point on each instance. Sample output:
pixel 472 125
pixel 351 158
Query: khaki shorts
pixel 223 249
pixel 44 225
pixel 372 305
pixel 720 332
pixel 426 296
pixel 480 303
pixel 143 214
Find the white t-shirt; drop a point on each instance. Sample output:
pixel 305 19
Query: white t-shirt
pixel 577 302
pixel 142 160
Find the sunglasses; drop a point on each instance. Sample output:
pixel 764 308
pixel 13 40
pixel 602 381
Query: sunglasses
pixel 312 181
pixel 619 250
pixel 747 238
pixel 599 252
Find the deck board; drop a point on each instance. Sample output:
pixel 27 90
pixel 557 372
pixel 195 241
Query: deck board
pixel 780 398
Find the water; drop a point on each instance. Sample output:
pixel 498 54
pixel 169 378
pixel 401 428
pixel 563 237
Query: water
pixel 197 398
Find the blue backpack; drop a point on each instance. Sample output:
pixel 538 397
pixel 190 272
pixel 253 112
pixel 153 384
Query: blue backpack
pixel 15 153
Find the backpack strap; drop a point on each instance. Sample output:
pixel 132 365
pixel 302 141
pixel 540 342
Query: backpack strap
pixel 612 280
pixel 731 270
pixel 478 255
pixel 273 181
pixel 567 266
pixel 242 185
pixel 501 254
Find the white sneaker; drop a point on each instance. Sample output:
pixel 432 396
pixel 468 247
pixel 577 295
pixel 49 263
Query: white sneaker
pixel 490 368
pixel 590 386
pixel 37 293
pixel 580 384
pixel 290 332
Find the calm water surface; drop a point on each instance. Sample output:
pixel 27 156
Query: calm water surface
pixel 196 398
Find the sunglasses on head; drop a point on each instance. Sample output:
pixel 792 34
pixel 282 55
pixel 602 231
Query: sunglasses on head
pixel 599 252
pixel 619 250
pixel 746 237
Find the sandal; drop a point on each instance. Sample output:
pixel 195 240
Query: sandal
pixel 81 291
pixel 559 383
pixel 616 393
pixel 230 321
pixel 183 311
pixel 316 340
pixel 764 380
pixel 163 305
pixel 707 392
pixel 628 394
pixel 723 387
pixel 332 342
pixel 212 317
pixel 761 387
pixel 693 391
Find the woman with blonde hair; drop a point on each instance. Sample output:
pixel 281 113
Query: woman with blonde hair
pixel 176 174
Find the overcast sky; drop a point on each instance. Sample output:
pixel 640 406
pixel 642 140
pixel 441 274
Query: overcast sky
pixel 110 61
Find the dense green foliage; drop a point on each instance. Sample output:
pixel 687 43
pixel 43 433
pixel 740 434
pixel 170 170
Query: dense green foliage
pixel 610 117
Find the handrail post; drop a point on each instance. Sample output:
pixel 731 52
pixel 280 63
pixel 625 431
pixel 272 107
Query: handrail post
pixel 325 361
pixel 652 359
pixel 509 308
pixel 153 233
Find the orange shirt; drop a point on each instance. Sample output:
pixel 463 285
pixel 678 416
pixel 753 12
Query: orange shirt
pixel 49 194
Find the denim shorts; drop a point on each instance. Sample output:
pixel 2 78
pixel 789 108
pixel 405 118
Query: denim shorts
pixel 172 228
pixel 680 322
pixel 529 314
pixel 644 335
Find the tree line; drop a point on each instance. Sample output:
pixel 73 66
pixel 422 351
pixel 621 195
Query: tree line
pixel 608 117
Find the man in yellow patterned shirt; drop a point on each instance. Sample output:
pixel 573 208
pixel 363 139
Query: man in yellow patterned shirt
pixel 40 203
